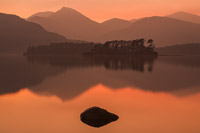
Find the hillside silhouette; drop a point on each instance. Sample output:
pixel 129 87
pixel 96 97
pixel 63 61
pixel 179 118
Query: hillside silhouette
pixel 74 25
pixel 17 34
pixel 165 30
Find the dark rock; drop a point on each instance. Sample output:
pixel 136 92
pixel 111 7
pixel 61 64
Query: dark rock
pixel 97 117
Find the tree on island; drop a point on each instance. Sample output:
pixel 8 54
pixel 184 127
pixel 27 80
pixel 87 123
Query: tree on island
pixel 130 47
pixel 151 43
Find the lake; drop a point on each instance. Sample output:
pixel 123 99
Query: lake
pixel 47 94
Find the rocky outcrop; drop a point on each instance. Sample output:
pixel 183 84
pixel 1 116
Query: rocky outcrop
pixel 97 117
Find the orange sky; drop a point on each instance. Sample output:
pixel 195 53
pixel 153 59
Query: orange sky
pixel 101 10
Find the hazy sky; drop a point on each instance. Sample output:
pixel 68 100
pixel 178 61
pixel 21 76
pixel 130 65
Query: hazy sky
pixel 100 10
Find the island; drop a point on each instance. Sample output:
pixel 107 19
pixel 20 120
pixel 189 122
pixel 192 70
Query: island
pixel 116 47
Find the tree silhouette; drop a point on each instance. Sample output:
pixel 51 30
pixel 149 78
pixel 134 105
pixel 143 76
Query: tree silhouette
pixel 151 43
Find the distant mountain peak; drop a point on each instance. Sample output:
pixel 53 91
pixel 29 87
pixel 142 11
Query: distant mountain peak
pixel 146 19
pixel 182 13
pixel 115 20
pixel 67 10
pixel 68 13
pixel 115 24
pixel 159 18
pixel 185 17
pixel 41 14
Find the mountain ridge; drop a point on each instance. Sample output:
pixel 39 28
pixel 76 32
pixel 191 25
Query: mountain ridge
pixel 160 29
pixel 108 30
pixel 17 34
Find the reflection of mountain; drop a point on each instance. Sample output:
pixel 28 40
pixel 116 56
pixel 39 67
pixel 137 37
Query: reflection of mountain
pixel 166 77
pixel 68 77
pixel 75 81
pixel 32 73
pixel 17 73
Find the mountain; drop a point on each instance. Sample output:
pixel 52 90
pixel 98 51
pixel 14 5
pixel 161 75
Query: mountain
pixel 17 34
pixel 70 23
pixel 74 25
pixel 41 14
pixel 165 31
pixel 185 17
pixel 116 24
pixel 183 49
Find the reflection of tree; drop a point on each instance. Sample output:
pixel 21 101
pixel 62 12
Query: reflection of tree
pixel 136 63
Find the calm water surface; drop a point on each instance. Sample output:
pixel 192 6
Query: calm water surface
pixel 47 94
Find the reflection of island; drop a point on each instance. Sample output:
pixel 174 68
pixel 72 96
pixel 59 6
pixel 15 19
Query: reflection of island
pixel 136 63
pixel 68 77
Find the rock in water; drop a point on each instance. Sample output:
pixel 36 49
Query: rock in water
pixel 97 117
